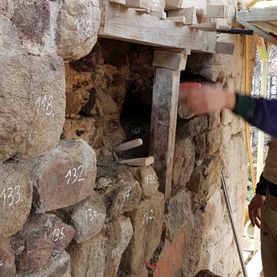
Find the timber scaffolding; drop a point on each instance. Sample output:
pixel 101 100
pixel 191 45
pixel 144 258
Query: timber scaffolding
pixel 176 28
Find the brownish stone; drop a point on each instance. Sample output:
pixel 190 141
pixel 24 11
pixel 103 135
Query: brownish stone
pixel 7 265
pixel 63 177
pixel 15 197
pixel 43 236
pixel 147 221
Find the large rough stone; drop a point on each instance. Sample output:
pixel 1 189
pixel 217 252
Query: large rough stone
pixel 15 197
pixel 59 267
pixel 88 258
pixel 119 234
pixel 32 105
pixel 63 177
pixel 87 217
pixel 148 180
pixel 77 28
pixel 7 265
pixel 147 221
pixel 43 236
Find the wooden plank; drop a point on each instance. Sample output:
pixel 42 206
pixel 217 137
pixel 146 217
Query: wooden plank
pixel 170 60
pixel 258 14
pixel 205 26
pixel 119 2
pixel 226 48
pixel 178 19
pixel 163 124
pixel 127 25
pixel 138 161
pixel 175 4
pixel 266 26
pixel 188 13
pixel 137 3
pixel 216 11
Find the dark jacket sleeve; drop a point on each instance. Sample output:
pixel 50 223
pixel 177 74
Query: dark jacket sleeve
pixel 259 112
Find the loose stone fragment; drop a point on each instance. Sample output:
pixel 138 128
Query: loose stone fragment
pixel 63 177
pixel 43 236
pixel 15 197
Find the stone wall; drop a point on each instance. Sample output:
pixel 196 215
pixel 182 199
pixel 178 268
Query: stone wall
pixel 67 208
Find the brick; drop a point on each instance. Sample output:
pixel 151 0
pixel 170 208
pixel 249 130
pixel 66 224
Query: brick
pixel 32 106
pixel 119 232
pixel 7 265
pixel 147 221
pixel 59 267
pixel 88 258
pixel 15 197
pixel 43 236
pixel 148 180
pixel 63 177
pixel 87 217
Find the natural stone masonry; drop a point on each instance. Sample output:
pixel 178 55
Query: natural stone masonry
pixel 63 177
pixel 44 236
pixel 32 105
pixel 7 266
pixel 87 217
pixel 15 197
pixel 77 28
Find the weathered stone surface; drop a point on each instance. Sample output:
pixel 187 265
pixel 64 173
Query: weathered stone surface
pixel 179 215
pixel 206 273
pixel 148 180
pixel 147 221
pixel 15 197
pixel 87 217
pixel 88 258
pixel 183 165
pixel 123 195
pixel 7 265
pixel 43 236
pixel 59 267
pixel 77 28
pixel 32 106
pixel 119 234
pixel 214 141
pixel 63 177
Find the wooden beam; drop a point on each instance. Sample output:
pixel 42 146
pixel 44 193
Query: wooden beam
pixel 163 121
pixel 174 4
pixel 128 25
pixel 216 11
pixel 258 14
pixel 188 13
pixel 169 60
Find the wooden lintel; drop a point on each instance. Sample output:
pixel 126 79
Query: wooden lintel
pixel 127 25
pixel 163 123
pixel 170 60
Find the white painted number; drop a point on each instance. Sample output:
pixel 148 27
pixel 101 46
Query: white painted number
pixel 150 179
pixel 90 214
pixel 11 196
pixel 149 217
pixel 58 234
pixel 74 175
pixel 45 105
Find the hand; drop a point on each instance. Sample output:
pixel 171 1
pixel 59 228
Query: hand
pixel 254 209
pixel 208 99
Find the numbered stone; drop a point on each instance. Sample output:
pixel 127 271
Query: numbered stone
pixel 88 217
pixel 120 232
pixel 59 267
pixel 147 221
pixel 63 177
pixel 15 198
pixel 43 237
pixel 124 195
pixel 32 105
pixel 88 258
pixel 148 180
pixel 7 265
pixel 77 28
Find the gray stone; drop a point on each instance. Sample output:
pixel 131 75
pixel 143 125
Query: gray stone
pixel 88 258
pixel 32 105
pixel 63 177
pixel 147 221
pixel 59 267
pixel 119 232
pixel 77 28
pixel 87 217
pixel 15 197
pixel 7 265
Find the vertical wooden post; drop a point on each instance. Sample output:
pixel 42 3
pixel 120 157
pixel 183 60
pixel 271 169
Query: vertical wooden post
pixel 164 114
